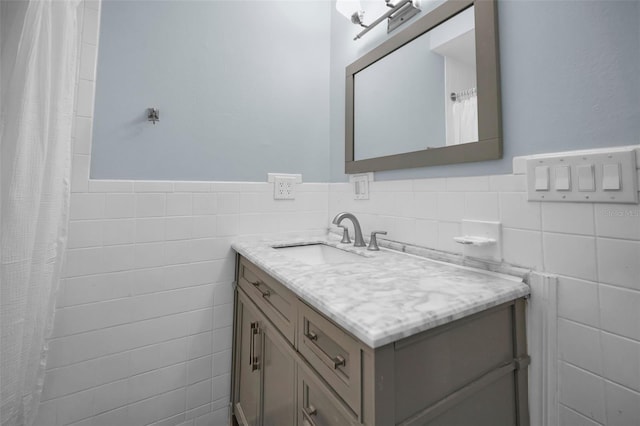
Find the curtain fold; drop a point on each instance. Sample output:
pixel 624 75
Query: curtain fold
pixel 36 121
pixel 465 121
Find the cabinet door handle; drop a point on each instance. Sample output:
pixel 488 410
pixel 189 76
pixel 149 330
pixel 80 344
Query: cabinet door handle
pixel 307 413
pixel 254 361
pixel 252 325
pixel 265 293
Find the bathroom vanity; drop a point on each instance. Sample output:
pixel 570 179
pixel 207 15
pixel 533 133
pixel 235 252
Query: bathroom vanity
pixel 322 338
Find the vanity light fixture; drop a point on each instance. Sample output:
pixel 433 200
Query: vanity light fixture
pixel 398 14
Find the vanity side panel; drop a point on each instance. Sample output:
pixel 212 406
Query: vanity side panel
pixel 432 366
pixel 491 406
pixel 378 386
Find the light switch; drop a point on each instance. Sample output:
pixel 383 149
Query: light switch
pixel 611 177
pixel 542 178
pixel 563 178
pixel 586 179
pixel 590 176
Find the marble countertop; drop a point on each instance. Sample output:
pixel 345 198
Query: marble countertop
pixel 387 295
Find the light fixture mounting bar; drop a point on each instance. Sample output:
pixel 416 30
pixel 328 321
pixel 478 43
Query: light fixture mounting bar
pixel 406 10
pixel 403 15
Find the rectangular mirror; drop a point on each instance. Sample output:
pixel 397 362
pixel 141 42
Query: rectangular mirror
pixel 429 95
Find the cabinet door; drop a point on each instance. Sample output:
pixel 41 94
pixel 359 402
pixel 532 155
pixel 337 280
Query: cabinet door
pixel 264 392
pixel 278 378
pixel 246 398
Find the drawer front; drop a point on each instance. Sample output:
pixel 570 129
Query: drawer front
pixel 317 406
pixel 333 353
pixel 276 301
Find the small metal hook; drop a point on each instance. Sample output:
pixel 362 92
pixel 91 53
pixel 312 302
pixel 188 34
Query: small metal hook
pixel 153 115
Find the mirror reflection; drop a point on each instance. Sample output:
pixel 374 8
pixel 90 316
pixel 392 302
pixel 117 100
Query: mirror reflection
pixel 420 96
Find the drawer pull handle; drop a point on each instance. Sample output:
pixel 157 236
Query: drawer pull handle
pixel 265 293
pixel 338 361
pixel 335 361
pixel 307 413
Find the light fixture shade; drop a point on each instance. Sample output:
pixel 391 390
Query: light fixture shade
pixel 348 7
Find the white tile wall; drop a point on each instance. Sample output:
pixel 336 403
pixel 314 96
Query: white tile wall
pixel 143 324
pixel 580 345
pixel 582 391
pixel 572 255
pixel 593 248
pixel 623 405
pixel 569 417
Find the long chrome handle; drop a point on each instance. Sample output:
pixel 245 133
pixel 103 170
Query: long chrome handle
pixel 335 361
pixel 252 325
pixel 255 359
pixel 307 413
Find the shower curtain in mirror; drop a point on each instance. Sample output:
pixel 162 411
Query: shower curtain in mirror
pixel 465 120
pixel 39 71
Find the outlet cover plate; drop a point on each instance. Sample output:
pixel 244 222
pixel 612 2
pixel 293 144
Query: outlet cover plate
pixel 284 185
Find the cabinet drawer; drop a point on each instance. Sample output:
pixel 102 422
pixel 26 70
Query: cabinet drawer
pixel 276 301
pixel 335 355
pixel 317 406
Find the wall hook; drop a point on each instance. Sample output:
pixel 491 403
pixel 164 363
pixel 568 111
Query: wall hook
pixel 153 115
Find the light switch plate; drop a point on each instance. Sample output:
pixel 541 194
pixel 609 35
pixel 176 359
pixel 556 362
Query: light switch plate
pixel 360 185
pixel 587 177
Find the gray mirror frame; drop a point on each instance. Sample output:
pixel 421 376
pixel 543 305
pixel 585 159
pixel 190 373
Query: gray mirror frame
pixel 489 145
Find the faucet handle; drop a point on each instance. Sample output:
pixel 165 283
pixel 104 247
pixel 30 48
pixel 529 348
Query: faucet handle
pixel 345 234
pixel 373 242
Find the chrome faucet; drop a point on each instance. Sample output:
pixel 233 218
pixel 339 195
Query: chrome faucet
pixel 359 241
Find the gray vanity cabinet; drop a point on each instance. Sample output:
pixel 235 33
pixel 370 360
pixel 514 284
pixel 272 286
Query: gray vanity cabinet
pixel 295 367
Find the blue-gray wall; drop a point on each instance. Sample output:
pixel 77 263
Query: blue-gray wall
pixel 248 87
pixel 570 80
pixel 242 88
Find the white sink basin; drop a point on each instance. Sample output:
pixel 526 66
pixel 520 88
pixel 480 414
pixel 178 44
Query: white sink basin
pixel 318 254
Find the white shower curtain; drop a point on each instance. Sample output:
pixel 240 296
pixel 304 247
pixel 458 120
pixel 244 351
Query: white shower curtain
pixel 465 120
pixel 39 64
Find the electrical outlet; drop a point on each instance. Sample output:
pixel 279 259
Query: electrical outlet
pixel 284 185
pixel 284 189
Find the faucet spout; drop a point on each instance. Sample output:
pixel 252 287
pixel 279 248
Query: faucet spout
pixel 359 241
